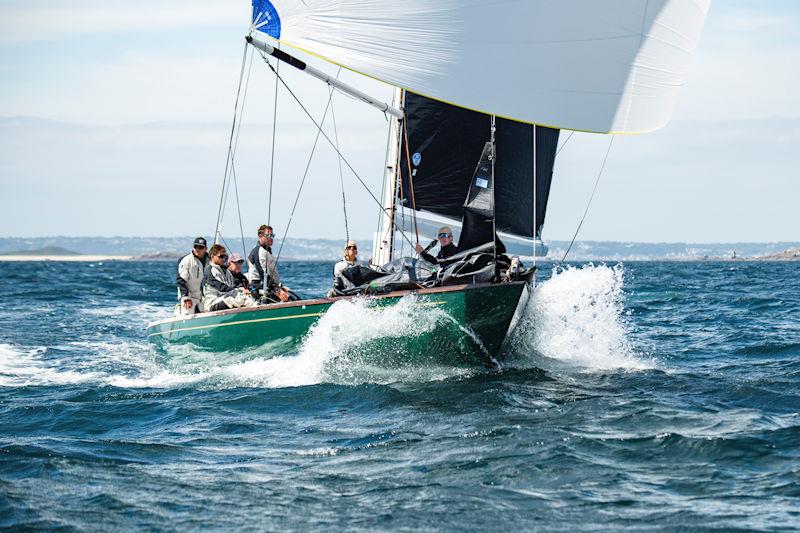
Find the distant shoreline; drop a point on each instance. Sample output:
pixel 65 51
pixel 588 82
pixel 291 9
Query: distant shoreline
pixel 99 258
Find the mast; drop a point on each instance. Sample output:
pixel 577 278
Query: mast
pixel 534 196
pixel 383 241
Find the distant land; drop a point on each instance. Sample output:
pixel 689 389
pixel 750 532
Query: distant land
pixel 171 248
pixel 47 250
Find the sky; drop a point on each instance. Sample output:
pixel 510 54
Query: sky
pixel 115 118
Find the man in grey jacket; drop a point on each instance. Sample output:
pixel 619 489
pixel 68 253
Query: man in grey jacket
pixel 219 287
pixel 191 270
pixel 262 270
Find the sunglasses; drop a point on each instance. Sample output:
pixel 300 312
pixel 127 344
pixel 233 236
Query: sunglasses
pixel 223 256
pixel 269 235
pixel 198 247
pixel 352 248
pixel 444 235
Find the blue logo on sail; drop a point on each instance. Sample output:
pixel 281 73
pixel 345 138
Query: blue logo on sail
pixel 416 158
pixel 266 19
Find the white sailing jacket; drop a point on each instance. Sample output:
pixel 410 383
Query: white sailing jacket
pixel 191 271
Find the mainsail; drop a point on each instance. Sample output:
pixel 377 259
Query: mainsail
pixel 445 143
pixel 607 67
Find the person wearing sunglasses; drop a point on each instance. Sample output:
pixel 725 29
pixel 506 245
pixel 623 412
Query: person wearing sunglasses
pixel 446 246
pixel 235 263
pixel 262 270
pixel 219 287
pixel 191 270
pixel 349 258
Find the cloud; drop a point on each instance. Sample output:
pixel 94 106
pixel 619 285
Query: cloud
pixel 694 181
pixel 744 66
pixel 25 21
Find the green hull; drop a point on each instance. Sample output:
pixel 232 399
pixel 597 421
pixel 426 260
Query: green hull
pixel 477 319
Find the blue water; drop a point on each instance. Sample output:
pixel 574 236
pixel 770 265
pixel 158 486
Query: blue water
pixel 649 395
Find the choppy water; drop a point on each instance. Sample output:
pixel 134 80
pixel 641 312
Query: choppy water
pixel 654 395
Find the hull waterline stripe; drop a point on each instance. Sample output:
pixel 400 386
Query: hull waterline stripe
pixel 238 322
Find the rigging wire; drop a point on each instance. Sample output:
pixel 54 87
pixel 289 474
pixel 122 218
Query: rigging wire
pixel 305 173
pixel 272 155
pixel 325 136
pixel 233 157
pixel 230 145
pixel 341 174
pixel 565 143
pixel 591 197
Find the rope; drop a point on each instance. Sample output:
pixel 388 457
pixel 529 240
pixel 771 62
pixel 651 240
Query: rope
pixel 325 136
pixel 272 156
pixel 305 173
pixel 341 175
pixel 411 181
pixel 230 145
pixel 586 211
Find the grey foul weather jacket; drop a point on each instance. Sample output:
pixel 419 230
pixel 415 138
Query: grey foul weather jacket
pixel 191 271
pixel 220 286
pixel 259 261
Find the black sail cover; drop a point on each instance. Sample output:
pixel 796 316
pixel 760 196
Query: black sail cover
pixel 445 143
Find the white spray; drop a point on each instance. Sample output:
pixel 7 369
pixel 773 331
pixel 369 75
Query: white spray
pixel 577 317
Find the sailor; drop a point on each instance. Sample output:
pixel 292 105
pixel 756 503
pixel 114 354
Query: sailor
pixel 191 269
pixel 219 289
pixel 235 262
pixel 446 246
pixel 349 258
pixel 262 270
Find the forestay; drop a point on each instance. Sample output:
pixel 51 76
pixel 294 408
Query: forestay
pixel 614 66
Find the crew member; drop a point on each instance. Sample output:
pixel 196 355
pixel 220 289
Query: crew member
pixel 191 269
pixel 446 246
pixel 219 290
pixel 235 262
pixel 262 269
pixel 350 258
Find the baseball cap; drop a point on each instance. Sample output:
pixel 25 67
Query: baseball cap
pixel 235 258
pixel 200 241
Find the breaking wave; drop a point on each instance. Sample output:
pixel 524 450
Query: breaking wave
pixel 354 342
pixel 577 317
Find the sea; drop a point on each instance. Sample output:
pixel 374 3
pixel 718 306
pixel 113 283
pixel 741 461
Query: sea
pixel 632 396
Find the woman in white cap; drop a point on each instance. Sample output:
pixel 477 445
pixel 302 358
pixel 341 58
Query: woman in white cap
pixel 235 262
pixel 348 259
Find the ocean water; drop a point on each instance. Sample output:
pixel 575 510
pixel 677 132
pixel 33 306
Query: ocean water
pixel 635 396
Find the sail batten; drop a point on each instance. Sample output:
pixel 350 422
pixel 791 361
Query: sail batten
pixel 607 67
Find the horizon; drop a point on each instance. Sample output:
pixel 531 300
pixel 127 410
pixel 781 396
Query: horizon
pixel 369 238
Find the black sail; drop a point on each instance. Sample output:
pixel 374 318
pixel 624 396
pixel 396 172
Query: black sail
pixel 445 143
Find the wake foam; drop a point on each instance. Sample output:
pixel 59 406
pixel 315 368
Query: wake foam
pixel 577 317
pixel 355 342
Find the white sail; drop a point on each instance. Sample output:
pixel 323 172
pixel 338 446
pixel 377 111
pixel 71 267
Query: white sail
pixel 610 66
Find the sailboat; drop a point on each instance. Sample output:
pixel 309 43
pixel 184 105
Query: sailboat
pixel 483 90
